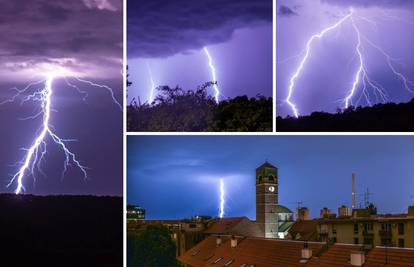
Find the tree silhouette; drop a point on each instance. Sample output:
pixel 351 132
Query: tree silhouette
pixel 152 247
pixel 175 109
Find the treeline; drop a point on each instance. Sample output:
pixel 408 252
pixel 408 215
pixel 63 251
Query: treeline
pixel 388 117
pixel 152 246
pixel 61 230
pixel 176 110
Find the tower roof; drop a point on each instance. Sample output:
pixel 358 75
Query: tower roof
pixel 266 165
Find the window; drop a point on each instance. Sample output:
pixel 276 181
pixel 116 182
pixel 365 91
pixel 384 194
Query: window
pixel 324 228
pixel 401 228
pixel 271 178
pixel 386 227
pixel 400 243
pixel 356 230
pixel 356 240
pixel 368 227
pixel 334 229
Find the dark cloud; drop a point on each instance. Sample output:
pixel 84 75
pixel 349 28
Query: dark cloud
pixel 286 11
pixel 38 30
pixel 160 28
pixel 369 3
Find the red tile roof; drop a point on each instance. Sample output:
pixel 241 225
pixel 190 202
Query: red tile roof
pixel 336 255
pixel 223 226
pixel 392 257
pixel 240 226
pixel 304 230
pixel 200 253
pixel 259 252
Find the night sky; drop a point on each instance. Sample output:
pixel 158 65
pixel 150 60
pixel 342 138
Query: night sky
pixel 329 73
pixel 178 176
pixel 238 34
pixel 85 39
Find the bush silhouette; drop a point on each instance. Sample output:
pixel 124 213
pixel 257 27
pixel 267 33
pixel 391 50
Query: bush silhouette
pixel 195 111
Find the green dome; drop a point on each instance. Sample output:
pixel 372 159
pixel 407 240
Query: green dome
pixel 282 209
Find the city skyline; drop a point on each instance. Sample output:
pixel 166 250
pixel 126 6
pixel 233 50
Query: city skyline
pixel 189 186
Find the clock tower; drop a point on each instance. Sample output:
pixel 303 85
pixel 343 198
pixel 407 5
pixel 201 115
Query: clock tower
pixel 267 199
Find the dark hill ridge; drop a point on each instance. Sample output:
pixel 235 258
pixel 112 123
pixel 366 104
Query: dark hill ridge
pixel 61 230
pixel 388 117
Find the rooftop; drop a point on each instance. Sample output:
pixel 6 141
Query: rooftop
pixel 266 165
pixel 234 226
pixel 303 230
pixel 262 252
pixel 249 251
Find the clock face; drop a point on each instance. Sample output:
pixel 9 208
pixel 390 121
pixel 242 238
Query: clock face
pixel 271 188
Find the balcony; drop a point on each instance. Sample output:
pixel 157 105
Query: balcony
pixel 367 233
pixel 385 233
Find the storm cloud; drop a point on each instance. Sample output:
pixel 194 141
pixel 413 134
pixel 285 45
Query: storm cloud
pixel 371 3
pixel 286 11
pixel 160 28
pixel 67 32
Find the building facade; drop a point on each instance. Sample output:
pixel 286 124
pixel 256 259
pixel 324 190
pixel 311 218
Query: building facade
pixel 391 230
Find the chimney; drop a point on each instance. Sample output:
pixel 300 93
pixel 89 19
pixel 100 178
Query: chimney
pixel 353 191
pixel 325 213
pixel 302 214
pixel 306 253
pixel 343 211
pixel 218 241
pixel 233 242
pixel 357 258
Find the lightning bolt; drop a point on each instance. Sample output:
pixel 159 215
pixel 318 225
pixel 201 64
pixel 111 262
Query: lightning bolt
pixel 152 89
pixel 361 78
pixel 306 57
pixel 222 194
pixel 36 152
pixel 213 74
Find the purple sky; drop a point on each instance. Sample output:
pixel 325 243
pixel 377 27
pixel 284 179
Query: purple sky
pixel 178 176
pixel 237 33
pixel 83 38
pixel 329 72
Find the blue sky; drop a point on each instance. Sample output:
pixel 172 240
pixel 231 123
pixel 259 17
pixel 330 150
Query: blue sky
pixel 178 176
